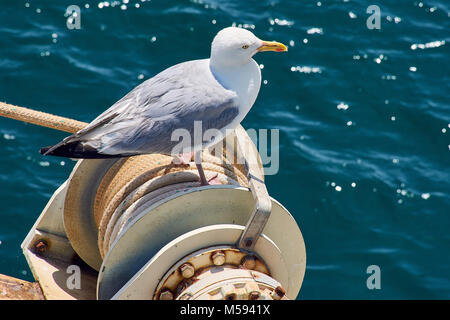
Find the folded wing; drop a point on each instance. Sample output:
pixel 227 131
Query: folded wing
pixel 143 120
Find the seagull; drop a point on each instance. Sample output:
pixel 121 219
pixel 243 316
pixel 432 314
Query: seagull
pixel 216 93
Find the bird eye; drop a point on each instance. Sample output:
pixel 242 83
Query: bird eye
pixel 245 46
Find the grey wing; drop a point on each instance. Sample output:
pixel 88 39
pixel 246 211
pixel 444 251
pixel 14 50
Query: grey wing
pixel 143 121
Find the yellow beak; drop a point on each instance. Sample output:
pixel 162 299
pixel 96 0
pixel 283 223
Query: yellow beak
pixel 272 46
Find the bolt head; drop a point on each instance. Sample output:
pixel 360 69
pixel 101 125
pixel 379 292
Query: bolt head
pixel 41 246
pixel 278 293
pixel 249 262
pixel 186 296
pixel 248 242
pixel 254 295
pixel 218 258
pixel 231 296
pixel 166 294
pixel 187 270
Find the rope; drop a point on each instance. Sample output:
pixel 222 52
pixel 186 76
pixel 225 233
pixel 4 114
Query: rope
pixel 40 118
pixel 135 183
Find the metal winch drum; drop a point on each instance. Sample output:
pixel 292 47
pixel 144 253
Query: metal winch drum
pixel 144 228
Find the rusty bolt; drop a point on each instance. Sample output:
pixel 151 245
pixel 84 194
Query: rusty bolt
pixel 187 270
pixel 249 262
pixel 41 246
pixel 166 294
pixel 218 258
pixel 231 296
pixel 254 295
pixel 186 296
pixel 278 293
pixel 183 285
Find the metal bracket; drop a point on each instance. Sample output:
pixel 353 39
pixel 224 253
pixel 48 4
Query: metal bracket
pixel 263 204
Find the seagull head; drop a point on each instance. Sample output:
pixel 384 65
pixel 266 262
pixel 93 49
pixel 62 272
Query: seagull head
pixel 236 46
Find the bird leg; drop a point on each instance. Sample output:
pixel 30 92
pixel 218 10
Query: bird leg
pixel 201 172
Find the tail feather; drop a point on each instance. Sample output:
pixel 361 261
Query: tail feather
pixel 77 150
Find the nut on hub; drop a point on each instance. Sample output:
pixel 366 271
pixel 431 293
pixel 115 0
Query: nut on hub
pixel 218 258
pixel 166 294
pixel 187 270
pixel 254 295
pixel 278 293
pixel 249 262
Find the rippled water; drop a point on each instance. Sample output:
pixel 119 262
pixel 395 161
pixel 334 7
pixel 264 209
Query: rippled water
pixel 363 117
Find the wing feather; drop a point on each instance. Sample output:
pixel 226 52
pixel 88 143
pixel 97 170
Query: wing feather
pixel 142 121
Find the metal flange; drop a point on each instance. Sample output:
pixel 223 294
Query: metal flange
pixel 79 222
pixel 189 269
pixel 158 225
pixel 233 284
pixel 152 280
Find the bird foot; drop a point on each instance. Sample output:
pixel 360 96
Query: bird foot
pixel 183 159
pixel 214 180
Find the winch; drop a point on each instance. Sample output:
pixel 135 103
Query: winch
pixel 143 227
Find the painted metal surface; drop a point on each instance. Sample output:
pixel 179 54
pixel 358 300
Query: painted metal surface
pixel 143 284
pixel 79 220
pixel 232 284
pixel 189 269
pixel 263 205
pixel 160 224
pixel 49 255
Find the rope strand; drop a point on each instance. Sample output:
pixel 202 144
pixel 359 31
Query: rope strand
pixel 40 118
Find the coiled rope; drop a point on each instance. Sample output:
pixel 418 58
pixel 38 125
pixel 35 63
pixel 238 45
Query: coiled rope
pixel 133 184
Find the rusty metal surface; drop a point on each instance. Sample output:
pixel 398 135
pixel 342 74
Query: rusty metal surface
pixel 224 283
pixel 188 270
pixel 143 284
pixel 16 289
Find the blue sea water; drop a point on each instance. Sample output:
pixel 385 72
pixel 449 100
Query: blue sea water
pixel 364 120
